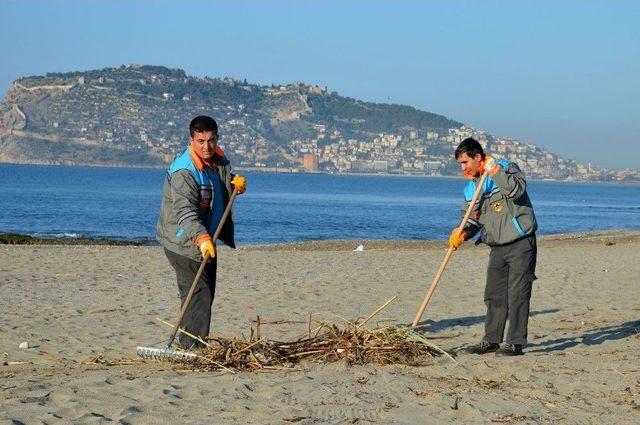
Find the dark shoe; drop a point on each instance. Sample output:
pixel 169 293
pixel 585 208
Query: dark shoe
pixel 483 347
pixel 509 350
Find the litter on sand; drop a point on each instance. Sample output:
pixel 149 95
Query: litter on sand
pixel 329 344
pixel 326 343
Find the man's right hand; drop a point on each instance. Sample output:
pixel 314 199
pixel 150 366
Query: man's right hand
pixel 455 240
pixel 207 247
pixel 489 164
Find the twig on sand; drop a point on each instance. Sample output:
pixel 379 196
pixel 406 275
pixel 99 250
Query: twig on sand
pixel 250 345
pixel 277 322
pixel 121 362
pixel 378 310
pixel 182 331
pixel 53 356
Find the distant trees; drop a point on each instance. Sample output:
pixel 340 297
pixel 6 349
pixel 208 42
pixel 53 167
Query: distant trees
pixel 374 117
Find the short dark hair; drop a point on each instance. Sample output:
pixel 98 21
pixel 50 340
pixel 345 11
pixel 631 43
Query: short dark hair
pixel 203 123
pixel 471 147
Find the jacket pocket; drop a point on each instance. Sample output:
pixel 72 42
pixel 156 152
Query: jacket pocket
pixel 516 224
pixel 204 200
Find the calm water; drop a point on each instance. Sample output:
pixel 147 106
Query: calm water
pixel 124 203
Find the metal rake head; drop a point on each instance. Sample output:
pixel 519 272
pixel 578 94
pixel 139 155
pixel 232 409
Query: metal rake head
pixel 165 354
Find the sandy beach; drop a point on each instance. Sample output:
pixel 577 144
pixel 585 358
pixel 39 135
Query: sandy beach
pixel 73 303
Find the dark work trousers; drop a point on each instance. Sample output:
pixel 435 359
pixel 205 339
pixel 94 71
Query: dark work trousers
pixel 510 274
pixel 197 318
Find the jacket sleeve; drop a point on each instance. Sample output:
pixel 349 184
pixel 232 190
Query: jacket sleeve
pixel 472 226
pixel 184 194
pixel 510 180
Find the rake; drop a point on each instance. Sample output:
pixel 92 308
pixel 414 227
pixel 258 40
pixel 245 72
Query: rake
pixel 434 284
pixel 167 353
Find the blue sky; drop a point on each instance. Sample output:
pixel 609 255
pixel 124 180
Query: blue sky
pixel 563 75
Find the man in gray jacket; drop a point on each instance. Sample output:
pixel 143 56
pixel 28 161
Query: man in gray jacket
pixel 504 217
pixel 195 193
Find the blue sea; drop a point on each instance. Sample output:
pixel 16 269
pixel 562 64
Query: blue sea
pixel 122 203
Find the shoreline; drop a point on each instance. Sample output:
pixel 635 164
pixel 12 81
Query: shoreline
pixel 307 245
pixel 10 238
pixel 327 173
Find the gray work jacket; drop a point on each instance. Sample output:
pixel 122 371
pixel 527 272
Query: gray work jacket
pixel 187 204
pixel 503 213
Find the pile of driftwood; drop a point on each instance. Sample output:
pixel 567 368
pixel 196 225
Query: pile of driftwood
pixel 353 344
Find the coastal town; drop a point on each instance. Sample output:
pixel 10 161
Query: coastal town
pixel 407 154
pixel 135 115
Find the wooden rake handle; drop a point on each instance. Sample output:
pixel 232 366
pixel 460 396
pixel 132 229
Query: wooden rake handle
pixel 434 284
pixel 205 260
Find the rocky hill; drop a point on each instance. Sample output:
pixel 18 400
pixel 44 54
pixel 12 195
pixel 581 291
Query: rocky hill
pixel 138 116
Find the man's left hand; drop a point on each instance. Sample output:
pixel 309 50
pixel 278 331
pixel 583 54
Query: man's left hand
pixel 239 183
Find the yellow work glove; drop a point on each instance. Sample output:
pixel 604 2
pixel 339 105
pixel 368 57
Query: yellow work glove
pixel 207 247
pixel 489 164
pixel 239 183
pixel 456 241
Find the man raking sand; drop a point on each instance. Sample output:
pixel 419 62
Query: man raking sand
pixel 498 207
pixel 195 198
